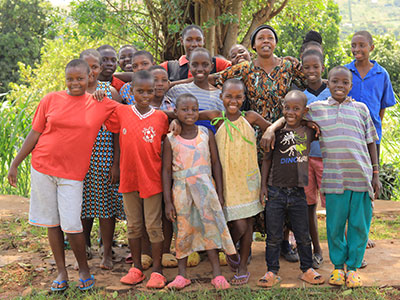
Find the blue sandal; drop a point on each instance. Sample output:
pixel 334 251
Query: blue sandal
pixel 59 289
pixel 85 288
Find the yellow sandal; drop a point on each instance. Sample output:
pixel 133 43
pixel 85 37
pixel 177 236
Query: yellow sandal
pixel 353 279
pixel 337 277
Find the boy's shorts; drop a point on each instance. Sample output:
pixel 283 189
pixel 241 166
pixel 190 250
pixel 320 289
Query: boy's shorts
pixel 55 202
pixel 312 190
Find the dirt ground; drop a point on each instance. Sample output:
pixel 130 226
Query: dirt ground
pixel 383 261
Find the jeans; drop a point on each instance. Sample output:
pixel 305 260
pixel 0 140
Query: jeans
pixel 291 202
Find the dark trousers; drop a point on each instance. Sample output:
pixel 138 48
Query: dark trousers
pixel 291 202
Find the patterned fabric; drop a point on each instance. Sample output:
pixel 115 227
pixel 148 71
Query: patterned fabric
pixel 100 198
pixel 265 91
pixel 166 104
pixel 241 176
pixel 346 129
pixel 200 222
pixel 126 94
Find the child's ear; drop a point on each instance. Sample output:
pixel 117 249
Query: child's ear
pixel 372 48
pixel 306 110
pixel 220 96
pixel 323 69
pixel 101 68
pixel 175 111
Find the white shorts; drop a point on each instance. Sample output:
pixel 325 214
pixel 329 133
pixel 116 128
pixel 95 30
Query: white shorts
pixel 55 202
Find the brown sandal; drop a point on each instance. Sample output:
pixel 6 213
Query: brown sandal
pixel 312 277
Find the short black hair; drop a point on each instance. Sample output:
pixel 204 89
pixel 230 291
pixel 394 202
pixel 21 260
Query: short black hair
pixel 297 94
pixel 76 63
pixel 313 53
pixel 312 36
pixel 127 46
pixel 157 67
pixel 307 45
pixel 190 27
pixel 183 97
pixel 90 52
pixel 142 75
pixel 144 53
pixel 234 81
pixel 340 68
pixel 106 47
pixel 201 50
pixel 365 34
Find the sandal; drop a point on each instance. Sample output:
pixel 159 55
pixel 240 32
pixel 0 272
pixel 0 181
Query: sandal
pixel 82 287
pixel 169 261
pixel 193 259
pixel 234 265
pixel 89 254
pixel 222 259
pixel 220 283
pixel 364 264
pixel 353 279
pixel 337 277
pixel 312 277
pixel 156 281
pixel 240 279
pixel 128 259
pixel 134 276
pixel 269 280
pixel 179 283
pixel 317 260
pixel 147 261
pixel 64 284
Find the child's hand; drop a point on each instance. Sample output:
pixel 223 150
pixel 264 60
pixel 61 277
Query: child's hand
pixel 170 211
pixel 12 176
pixel 99 95
pixel 268 140
pixel 264 195
pixel 314 126
pixel 175 127
pixel 377 185
pixel 113 175
pixel 293 60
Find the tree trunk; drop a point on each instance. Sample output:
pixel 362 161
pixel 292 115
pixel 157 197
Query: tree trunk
pixel 232 32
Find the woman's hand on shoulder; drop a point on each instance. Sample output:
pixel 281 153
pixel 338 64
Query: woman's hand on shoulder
pixel 295 62
pixel 99 95
pixel 175 127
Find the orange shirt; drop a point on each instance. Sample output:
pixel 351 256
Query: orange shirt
pixel 140 138
pixel 68 127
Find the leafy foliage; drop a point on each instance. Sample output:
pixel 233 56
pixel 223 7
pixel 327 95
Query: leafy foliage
pixel 24 24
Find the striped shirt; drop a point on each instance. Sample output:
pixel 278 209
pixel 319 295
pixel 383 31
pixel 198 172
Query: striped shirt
pixel 346 129
pixel 208 100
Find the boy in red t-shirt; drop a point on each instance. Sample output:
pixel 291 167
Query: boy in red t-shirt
pixel 141 131
pixel 64 129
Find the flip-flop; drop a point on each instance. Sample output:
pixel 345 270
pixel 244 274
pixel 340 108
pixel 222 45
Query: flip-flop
pixel 220 283
pixel 129 259
pixel 234 265
pixel 179 283
pixel 312 277
pixel 317 260
pixel 59 289
pixel 269 280
pixel 240 279
pixel 85 288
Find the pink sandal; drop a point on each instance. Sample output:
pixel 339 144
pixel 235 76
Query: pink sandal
pixel 134 276
pixel 179 283
pixel 220 283
pixel 156 281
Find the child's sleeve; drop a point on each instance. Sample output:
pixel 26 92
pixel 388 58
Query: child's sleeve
pixel 40 117
pixel 113 122
pixel 388 98
pixel 370 132
pixel 172 94
pixel 238 71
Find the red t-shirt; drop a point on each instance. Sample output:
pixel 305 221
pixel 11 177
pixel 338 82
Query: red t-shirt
pixel 140 138
pixel 117 83
pixel 68 127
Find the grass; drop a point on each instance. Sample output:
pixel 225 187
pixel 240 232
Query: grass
pixel 239 293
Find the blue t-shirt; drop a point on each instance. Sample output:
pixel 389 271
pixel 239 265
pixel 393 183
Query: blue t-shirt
pixel 375 90
pixel 315 149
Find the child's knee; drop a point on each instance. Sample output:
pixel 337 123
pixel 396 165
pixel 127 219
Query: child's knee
pixel 155 234
pixel 134 231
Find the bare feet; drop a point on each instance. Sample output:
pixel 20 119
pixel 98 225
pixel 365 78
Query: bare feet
pixel 106 263
pixel 370 244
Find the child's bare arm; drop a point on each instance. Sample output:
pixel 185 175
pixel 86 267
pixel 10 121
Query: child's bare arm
pixel 268 138
pixel 209 114
pixel 170 212
pixel 124 76
pixel 216 167
pixel 382 114
pixel 170 114
pixel 115 95
pixel 266 166
pixel 256 119
pixel 114 170
pixel 376 184
pixel 27 147
pixel 187 80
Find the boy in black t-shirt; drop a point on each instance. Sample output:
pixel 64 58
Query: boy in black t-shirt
pixel 283 177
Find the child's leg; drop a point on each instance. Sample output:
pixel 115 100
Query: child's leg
pixel 298 214
pixel 182 264
pixel 313 223
pixel 167 231
pixel 152 208
pixel 244 229
pixel 87 224
pixel 107 227
pixel 56 241
pixel 358 227
pixel 275 210
pixel 214 261
pixel 337 210
pixel 77 241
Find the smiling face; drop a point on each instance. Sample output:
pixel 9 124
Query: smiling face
pixel 95 68
pixel 294 108
pixel 361 47
pixel 339 83
pixel 265 43
pixel 76 79
pixel 312 68
pixel 125 59
pixel 200 65
pixel 161 83
pixel 192 39
pixel 141 62
pixel 232 97
pixel 143 91
pixel 238 54
pixel 108 62
pixel 187 110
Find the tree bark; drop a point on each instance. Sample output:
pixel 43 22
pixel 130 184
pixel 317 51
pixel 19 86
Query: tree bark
pixel 232 32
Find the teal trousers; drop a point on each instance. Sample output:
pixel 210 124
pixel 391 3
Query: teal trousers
pixel 355 210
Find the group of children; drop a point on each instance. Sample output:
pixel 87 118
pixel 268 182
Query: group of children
pixel 93 157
